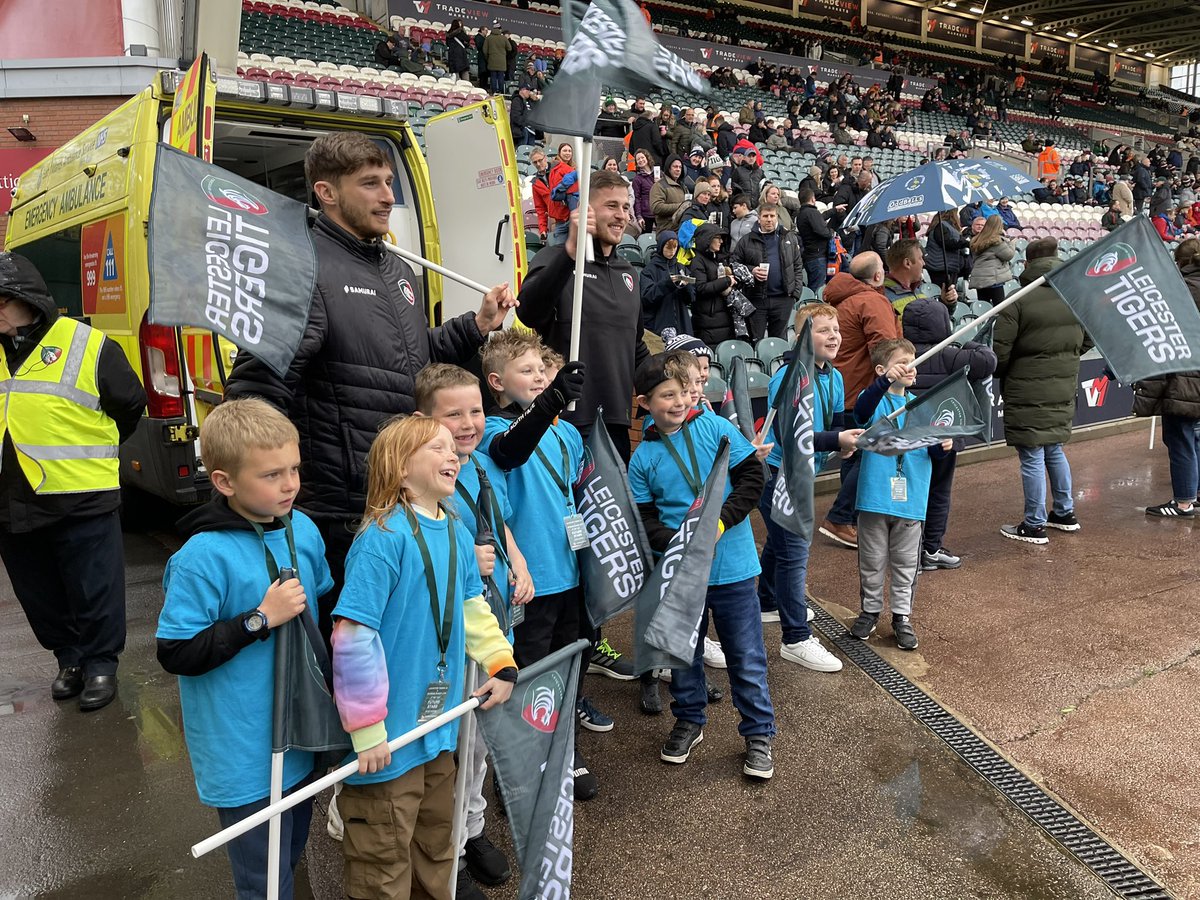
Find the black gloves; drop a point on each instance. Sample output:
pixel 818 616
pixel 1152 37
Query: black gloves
pixel 566 387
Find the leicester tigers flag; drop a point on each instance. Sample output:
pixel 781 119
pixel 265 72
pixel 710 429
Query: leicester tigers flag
pixel 608 43
pixel 531 739
pixel 737 408
pixel 229 256
pixel 613 567
pixel 1131 299
pixel 949 409
pixel 668 610
pixel 792 497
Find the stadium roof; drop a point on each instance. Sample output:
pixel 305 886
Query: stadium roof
pixel 1165 32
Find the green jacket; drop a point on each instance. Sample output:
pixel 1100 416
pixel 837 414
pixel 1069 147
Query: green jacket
pixel 1038 342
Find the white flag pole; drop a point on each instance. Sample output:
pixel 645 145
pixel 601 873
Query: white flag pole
pixel 583 162
pixel 223 837
pixel 273 833
pixel 466 765
pixel 415 259
pixel 974 323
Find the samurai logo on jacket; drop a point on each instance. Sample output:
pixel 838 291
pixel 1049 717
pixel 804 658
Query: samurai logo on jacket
pixel 542 701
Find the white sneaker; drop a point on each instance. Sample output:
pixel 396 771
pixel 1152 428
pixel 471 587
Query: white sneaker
pixel 769 616
pixel 811 615
pixel 811 655
pixel 713 654
pixel 333 824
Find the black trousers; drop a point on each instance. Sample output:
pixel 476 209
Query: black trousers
pixel 70 580
pixel 937 513
pixel 770 317
pixel 551 623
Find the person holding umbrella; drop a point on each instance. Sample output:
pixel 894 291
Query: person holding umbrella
pixel 944 248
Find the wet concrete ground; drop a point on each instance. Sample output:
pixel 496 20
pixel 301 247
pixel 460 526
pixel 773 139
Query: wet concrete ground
pixel 865 802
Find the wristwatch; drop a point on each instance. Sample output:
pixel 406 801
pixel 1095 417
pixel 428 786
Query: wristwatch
pixel 255 624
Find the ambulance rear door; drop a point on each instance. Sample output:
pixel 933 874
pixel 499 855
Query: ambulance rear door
pixel 477 200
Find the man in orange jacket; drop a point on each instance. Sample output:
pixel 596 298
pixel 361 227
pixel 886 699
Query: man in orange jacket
pixel 1049 161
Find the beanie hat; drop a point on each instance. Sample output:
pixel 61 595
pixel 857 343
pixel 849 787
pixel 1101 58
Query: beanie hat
pixel 673 340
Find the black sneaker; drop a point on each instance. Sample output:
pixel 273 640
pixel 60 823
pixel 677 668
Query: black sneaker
pixel 758 764
pixel 1026 533
pixel 715 694
pixel 586 784
pixel 902 631
pixel 683 737
pixel 485 862
pixel 1167 510
pixel 651 702
pixel 466 889
pixel 591 718
pixel 864 625
pixel 607 661
pixel 1066 522
pixel 941 558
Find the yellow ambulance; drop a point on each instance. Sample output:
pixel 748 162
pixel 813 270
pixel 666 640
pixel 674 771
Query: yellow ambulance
pixel 82 216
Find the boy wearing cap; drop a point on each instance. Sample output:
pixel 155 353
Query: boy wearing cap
pixel 667 474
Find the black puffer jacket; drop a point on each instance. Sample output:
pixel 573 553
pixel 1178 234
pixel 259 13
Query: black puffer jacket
pixel 458 44
pixel 927 322
pixel 366 339
pixel 645 136
pixel 710 314
pixel 752 250
pixel 1177 394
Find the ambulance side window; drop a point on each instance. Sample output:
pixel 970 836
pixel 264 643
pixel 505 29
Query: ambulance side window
pixel 57 258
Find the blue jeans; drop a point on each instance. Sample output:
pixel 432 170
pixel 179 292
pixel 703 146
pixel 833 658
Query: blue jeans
pixel 784 567
pixel 248 853
pixel 558 235
pixel 817 273
pixel 496 81
pixel 844 511
pixel 1036 464
pixel 1182 437
pixel 735 613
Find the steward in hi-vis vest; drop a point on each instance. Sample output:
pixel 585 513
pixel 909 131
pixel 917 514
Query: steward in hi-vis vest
pixel 69 399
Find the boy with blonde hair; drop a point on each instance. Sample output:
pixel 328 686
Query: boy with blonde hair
pixel 217 635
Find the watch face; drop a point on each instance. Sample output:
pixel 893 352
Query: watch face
pixel 255 622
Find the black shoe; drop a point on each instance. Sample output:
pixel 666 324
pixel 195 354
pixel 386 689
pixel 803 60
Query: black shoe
pixel 1066 522
pixel 466 889
pixel 683 737
pixel 586 784
pixel 651 702
pixel 607 661
pixel 902 631
pixel 758 763
pixel 864 625
pixel 1026 533
pixel 68 683
pixel 98 692
pixel 486 864
pixel 715 694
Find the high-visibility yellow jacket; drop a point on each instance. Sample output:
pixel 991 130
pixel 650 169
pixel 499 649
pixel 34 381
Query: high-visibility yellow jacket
pixel 50 409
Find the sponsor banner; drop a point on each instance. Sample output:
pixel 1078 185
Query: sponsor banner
pixel 230 256
pixel 843 10
pixel 1128 294
pixel 1130 70
pixel 952 29
pixel 887 15
pixel 1089 59
pixel 13 164
pixel 474 16
pixel 1044 48
pixel 1009 41
pixel 102 266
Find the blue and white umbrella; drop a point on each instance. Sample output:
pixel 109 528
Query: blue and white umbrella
pixel 937 186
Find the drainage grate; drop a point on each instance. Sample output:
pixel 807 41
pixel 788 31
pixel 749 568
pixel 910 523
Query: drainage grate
pixel 1113 868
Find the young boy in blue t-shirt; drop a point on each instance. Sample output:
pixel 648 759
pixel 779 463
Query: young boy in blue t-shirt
pixel 541 457
pixel 892 495
pixel 215 632
pixel 666 474
pixel 781 586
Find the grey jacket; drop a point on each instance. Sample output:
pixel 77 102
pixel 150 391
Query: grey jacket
pixel 991 266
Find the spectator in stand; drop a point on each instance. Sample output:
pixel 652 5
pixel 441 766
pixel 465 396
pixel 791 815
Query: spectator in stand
pixel 868 166
pixel 518 116
pixel 744 219
pixel 877 237
pixel 1008 215
pixel 564 197
pixel 1082 166
pixel 1160 200
pixel 830 184
pixel 458 45
pixel 481 37
pixel 726 136
pixel 1143 183
pixel 540 186
pixel 643 184
pixel 495 54
pixel 840 135
pixel 905 270
pixel 804 143
pixel 646 136
pixel 714 283
pixel 679 139
pixel 1049 162
pixel 1075 191
pixel 945 245
pixel 778 140
pixel 814 233
pixel 847 197
pixel 387 55
pixel 992 253
pixel 1102 190
pixel 746 177
pixel 610 165
pixel 610 123
pixel 1187 191
pixel 774 257
pixel 1112 219
pixel 531 77
pixel 1122 195
pixel 668 196
pixel 719 211
pixel 666 288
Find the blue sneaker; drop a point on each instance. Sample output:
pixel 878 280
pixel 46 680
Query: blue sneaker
pixel 591 718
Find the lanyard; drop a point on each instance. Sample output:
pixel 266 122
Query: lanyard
pixel 691 476
pixel 890 410
pixel 272 566
pixel 554 473
pixel 494 505
pixel 447 611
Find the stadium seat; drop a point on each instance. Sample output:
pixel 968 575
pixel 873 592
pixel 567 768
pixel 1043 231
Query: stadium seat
pixel 727 350
pixel 770 351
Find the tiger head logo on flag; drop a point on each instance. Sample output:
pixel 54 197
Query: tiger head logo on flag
pixel 542 701
pixel 1116 258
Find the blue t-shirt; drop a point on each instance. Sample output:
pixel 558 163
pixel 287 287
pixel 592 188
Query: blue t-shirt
pixel 829 399
pixel 227 712
pixel 654 476
pixel 539 507
pixel 877 471
pixel 386 590
pixel 468 478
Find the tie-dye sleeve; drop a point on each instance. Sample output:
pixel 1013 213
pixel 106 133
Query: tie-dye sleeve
pixel 360 683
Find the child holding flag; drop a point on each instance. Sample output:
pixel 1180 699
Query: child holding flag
pixel 781 586
pixel 397 661
pixel 451 396
pixel 665 485
pixel 224 652
pixel 893 492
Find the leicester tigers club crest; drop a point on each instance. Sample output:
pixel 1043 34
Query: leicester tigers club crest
pixel 628 279
pixel 407 291
pixel 50 355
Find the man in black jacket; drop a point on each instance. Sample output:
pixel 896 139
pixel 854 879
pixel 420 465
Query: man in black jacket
pixel 518 116
pixel 1143 183
pixel 366 339
pixel 814 234
pixel 70 399
pixel 774 257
